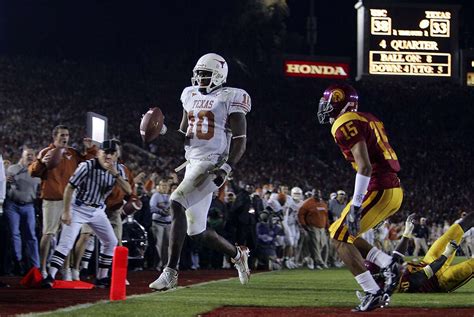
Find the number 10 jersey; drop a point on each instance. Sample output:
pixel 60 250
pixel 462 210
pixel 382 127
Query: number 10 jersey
pixel 208 133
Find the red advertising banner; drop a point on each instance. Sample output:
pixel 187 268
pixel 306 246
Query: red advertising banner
pixel 316 69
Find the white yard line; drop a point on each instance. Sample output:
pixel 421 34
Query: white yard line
pixel 103 301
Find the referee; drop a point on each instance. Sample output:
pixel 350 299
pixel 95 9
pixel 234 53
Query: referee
pixel 92 182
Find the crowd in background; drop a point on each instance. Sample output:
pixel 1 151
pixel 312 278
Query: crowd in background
pixel 428 124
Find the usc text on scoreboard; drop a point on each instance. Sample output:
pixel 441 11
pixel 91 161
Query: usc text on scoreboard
pixel 407 40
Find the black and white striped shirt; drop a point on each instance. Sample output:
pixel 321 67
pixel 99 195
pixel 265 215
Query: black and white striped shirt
pixel 93 183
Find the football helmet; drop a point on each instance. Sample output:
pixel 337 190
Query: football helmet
pixel 337 99
pixel 214 65
pixel 297 194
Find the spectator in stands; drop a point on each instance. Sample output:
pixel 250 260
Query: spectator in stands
pixel 53 183
pixel 20 211
pixel 265 251
pixel 336 205
pixel 245 220
pixel 161 222
pixel 6 251
pixel 421 234
pixel 3 185
pixel 313 217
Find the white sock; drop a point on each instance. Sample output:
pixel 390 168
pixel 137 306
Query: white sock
pixel 237 257
pixel 367 282
pixel 102 273
pixel 379 257
pixel 168 269
pixel 52 271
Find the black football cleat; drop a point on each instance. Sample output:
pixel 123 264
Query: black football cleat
pixel 369 301
pixel 47 282
pixel 102 282
pixel 391 275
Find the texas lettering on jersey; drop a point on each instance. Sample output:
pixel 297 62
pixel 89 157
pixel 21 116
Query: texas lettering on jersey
pixel 353 127
pixel 203 104
pixel 208 132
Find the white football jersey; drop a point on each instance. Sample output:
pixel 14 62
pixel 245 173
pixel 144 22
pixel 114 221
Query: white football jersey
pixel 208 134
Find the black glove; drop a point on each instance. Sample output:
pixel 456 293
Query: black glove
pixel 220 176
pixel 353 220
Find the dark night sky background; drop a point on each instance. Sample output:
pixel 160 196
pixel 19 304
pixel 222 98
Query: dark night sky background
pixel 90 29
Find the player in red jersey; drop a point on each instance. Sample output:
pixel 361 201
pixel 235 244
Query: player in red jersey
pixel 434 273
pixel 377 193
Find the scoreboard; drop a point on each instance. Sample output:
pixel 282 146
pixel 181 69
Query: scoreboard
pixel 467 67
pixel 401 39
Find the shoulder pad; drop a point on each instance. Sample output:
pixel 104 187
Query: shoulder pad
pixel 346 117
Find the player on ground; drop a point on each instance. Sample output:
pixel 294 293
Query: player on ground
pixel 434 273
pixel 213 115
pixel 377 193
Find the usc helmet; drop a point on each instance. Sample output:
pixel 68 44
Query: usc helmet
pixel 336 100
pixel 216 66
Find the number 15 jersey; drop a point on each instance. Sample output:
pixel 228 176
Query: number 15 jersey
pixel 208 134
pixel 353 127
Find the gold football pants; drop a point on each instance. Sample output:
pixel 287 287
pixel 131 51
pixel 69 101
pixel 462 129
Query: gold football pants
pixel 450 277
pixel 377 206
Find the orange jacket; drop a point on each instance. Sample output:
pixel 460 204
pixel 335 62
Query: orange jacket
pixel 314 213
pixel 54 181
pixel 115 200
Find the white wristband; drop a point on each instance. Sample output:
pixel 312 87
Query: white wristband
pixel 164 129
pixel 226 167
pixel 428 271
pixel 360 188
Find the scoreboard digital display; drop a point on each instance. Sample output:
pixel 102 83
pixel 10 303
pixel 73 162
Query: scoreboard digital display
pixel 467 67
pixel 407 39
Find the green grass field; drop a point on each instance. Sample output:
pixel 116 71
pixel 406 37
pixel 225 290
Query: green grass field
pixel 302 287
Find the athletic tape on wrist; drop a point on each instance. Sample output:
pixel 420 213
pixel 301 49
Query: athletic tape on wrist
pixel 428 271
pixel 360 188
pixel 398 253
pixel 226 167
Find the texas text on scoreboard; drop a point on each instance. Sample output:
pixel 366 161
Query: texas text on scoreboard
pixel 407 39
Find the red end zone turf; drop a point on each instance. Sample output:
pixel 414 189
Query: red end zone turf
pixel 58 284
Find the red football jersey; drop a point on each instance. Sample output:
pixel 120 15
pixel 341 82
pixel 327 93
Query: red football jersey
pixel 408 286
pixel 353 127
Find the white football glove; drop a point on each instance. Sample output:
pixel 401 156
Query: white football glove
pixel 163 129
pixel 409 226
pixel 451 248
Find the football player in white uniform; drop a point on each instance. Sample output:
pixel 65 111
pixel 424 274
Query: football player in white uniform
pixel 215 127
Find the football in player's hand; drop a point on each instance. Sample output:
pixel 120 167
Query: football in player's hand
pixel 55 156
pixel 132 205
pixel 151 124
